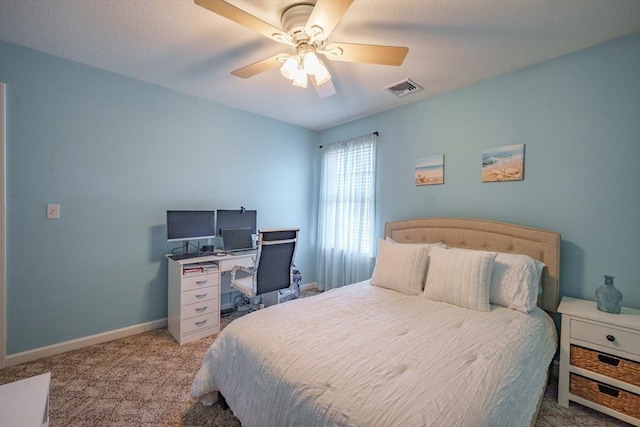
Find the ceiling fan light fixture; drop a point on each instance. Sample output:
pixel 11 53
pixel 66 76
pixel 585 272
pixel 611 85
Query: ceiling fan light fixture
pixel 300 78
pixel 313 66
pixel 322 74
pixel 311 63
pixel 289 68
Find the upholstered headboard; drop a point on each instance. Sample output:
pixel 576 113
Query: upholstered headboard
pixel 478 234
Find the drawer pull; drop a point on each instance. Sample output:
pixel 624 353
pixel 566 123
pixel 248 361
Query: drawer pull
pixel 608 360
pixel 201 323
pixel 201 296
pixel 608 390
pixel 201 282
pixel 611 338
pixel 201 309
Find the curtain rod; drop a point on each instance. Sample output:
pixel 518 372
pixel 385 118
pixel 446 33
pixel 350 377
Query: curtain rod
pixel 376 133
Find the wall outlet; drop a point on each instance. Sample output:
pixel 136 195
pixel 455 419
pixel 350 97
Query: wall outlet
pixel 53 211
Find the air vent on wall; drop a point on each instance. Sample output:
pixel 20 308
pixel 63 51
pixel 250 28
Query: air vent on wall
pixel 404 87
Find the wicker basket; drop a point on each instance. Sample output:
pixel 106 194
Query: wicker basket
pixel 605 364
pixel 606 395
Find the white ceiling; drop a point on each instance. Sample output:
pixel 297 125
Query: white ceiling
pixel 180 45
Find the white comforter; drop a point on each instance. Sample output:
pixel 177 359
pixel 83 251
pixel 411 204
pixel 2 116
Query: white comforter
pixel 367 356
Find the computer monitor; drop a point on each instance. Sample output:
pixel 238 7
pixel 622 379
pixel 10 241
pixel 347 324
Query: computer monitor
pixel 190 225
pixel 236 239
pixel 237 218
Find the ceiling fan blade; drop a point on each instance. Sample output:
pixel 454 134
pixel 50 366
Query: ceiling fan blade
pixel 326 15
pixel 368 53
pixel 258 67
pixel 241 17
pixel 324 90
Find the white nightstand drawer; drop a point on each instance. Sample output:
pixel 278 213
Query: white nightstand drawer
pixel 198 281
pixel 199 309
pixel 200 322
pixel 606 336
pixel 200 295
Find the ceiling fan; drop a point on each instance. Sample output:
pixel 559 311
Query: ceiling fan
pixel 305 29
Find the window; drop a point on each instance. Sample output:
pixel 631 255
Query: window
pixel 346 210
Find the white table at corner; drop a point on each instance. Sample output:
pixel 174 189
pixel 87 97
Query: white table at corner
pixel 25 403
pixel 613 336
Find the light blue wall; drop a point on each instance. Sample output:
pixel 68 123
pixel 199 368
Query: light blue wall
pixel 579 116
pixel 116 153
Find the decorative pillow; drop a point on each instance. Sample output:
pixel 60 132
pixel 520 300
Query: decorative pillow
pixel 460 277
pixel 400 267
pixel 515 282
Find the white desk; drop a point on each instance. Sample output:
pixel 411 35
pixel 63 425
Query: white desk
pixel 225 262
pixel 195 291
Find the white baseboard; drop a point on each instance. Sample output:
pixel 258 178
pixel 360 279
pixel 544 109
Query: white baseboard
pixel 309 286
pixel 51 350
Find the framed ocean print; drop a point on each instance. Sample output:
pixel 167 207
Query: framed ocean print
pixel 505 163
pixel 430 170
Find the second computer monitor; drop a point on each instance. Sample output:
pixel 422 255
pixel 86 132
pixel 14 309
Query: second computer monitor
pixel 236 218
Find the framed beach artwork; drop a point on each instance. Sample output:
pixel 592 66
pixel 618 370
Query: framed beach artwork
pixel 505 163
pixel 430 170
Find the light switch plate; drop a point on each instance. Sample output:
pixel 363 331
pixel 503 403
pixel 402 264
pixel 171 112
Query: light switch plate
pixel 53 211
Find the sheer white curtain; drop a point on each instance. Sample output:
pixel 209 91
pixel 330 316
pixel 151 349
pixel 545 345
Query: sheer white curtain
pixel 346 238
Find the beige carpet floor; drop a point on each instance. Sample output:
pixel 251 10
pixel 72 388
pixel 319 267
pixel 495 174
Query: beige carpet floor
pixel 144 380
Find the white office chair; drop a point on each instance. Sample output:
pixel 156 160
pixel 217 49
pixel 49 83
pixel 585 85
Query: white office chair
pixel 272 269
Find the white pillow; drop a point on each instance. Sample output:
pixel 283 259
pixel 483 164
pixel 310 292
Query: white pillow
pixel 400 267
pixel 460 277
pixel 428 245
pixel 515 282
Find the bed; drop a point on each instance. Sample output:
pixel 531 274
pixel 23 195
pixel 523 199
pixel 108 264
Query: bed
pixel 382 353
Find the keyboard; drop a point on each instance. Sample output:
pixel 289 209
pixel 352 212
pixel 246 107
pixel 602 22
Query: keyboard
pixel 241 251
pixel 191 255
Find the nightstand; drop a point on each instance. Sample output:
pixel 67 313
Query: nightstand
pixel 600 359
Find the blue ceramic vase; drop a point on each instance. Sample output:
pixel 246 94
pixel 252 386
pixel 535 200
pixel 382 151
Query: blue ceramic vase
pixel 608 297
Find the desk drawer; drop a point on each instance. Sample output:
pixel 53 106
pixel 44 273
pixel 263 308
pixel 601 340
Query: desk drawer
pixel 198 281
pixel 605 364
pixel 605 395
pixel 231 260
pixel 606 336
pixel 201 322
pixel 199 309
pixel 200 295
